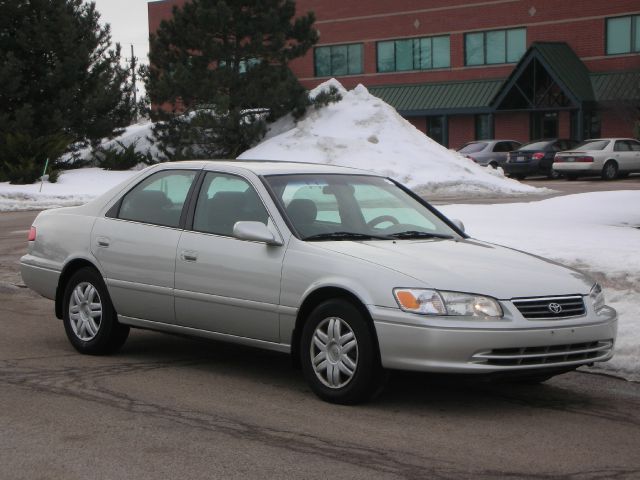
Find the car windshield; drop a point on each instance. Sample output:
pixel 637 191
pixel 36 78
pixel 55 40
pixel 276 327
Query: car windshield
pixel 535 145
pixel 354 207
pixel 593 145
pixel 473 147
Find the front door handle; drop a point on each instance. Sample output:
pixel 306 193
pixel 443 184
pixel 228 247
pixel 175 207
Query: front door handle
pixel 189 256
pixel 103 242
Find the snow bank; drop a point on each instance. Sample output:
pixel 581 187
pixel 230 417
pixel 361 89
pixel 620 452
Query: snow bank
pixel 595 232
pixel 363 131
pixel 137 134
pixel 74 187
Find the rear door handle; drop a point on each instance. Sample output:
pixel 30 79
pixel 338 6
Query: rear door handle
pixel 189 256
pixel 103 242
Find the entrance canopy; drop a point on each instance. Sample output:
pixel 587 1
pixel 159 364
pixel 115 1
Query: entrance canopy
pixel 550 76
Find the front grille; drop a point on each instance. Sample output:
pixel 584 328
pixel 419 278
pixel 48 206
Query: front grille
pixel 546 355
pixel 550 307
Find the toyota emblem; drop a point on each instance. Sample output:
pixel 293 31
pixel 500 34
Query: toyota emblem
pixel 555 308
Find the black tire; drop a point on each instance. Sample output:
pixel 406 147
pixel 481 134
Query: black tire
pixel 367 377
pixel 493 165
pixel 553 174
pixel 110 335
pixel 610 170
pixel 570 176
pixel 519 176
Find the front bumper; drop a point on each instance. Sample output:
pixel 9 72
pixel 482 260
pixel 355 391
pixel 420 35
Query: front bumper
pixel 406 345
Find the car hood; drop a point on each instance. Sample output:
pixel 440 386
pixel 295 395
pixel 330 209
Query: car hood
pixel 469 266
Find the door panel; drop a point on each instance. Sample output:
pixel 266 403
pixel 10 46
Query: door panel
pixel 136 245
pixel 224 284
pixel 232 287
pixel 138 263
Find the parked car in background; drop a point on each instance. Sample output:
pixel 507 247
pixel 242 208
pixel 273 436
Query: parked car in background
pixel 489 153
pixel 536 158
pixel 608 157
pixel 348 271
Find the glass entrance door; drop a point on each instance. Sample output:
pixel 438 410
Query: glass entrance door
pixel 544 125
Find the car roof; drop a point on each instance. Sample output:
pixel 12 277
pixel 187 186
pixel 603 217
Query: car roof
pixel 271 167
pixel 609 139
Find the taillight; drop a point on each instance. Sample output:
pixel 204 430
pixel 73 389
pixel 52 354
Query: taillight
pixel 557 159
pixel 584 159
pixel 538 156
pixel 32 234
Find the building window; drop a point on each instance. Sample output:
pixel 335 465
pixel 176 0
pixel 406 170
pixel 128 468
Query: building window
pixel 495 47
pixel 414 54
pixel 623 35
pixel 338 60
pixel 484 126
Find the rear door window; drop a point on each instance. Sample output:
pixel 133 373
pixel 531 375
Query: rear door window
pixel 621 146
pixel 502 147
pixel 158 199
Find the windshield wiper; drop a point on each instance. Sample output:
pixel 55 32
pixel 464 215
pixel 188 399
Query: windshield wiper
pixel 418 234
pixel 346 236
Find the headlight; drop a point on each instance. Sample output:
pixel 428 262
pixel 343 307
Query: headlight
pixel 597 297
pixel 437 302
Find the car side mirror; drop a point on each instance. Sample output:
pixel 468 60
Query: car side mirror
pixel 458 224
pixel 255 232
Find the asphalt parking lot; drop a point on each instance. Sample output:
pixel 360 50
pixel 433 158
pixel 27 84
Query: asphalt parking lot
pixel 557 187
pixel 174 407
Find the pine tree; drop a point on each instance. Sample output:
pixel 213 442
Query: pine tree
pixel 220 68
pixel 61 80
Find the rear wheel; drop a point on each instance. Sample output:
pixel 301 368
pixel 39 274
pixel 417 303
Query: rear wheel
pixel 90 320
pixel 610 170
pixel 339 355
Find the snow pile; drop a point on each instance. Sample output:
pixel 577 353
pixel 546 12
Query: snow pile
pixel 598 233
pixel 138 134
pixel 363 131
pixel 74 187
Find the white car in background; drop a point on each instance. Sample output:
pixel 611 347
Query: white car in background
pixel 609 158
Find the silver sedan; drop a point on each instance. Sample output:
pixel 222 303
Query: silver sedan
pixel 348 271
pixel 609 158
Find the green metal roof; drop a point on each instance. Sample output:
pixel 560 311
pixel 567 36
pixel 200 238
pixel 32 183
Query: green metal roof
pixel 451 97
pixel 616 86
pixel 567 66
pixel 479 96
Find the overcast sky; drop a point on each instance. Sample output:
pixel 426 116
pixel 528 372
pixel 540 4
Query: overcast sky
pixel 129 24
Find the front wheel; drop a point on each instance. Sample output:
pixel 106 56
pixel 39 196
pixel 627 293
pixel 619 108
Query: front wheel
pixel 339 355
pixel 90 321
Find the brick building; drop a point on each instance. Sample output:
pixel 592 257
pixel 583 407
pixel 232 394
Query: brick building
pixel 461 70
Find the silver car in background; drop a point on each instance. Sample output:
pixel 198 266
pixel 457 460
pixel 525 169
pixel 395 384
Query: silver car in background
pixel 489 153
pixel 348 271
pixel 609 158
